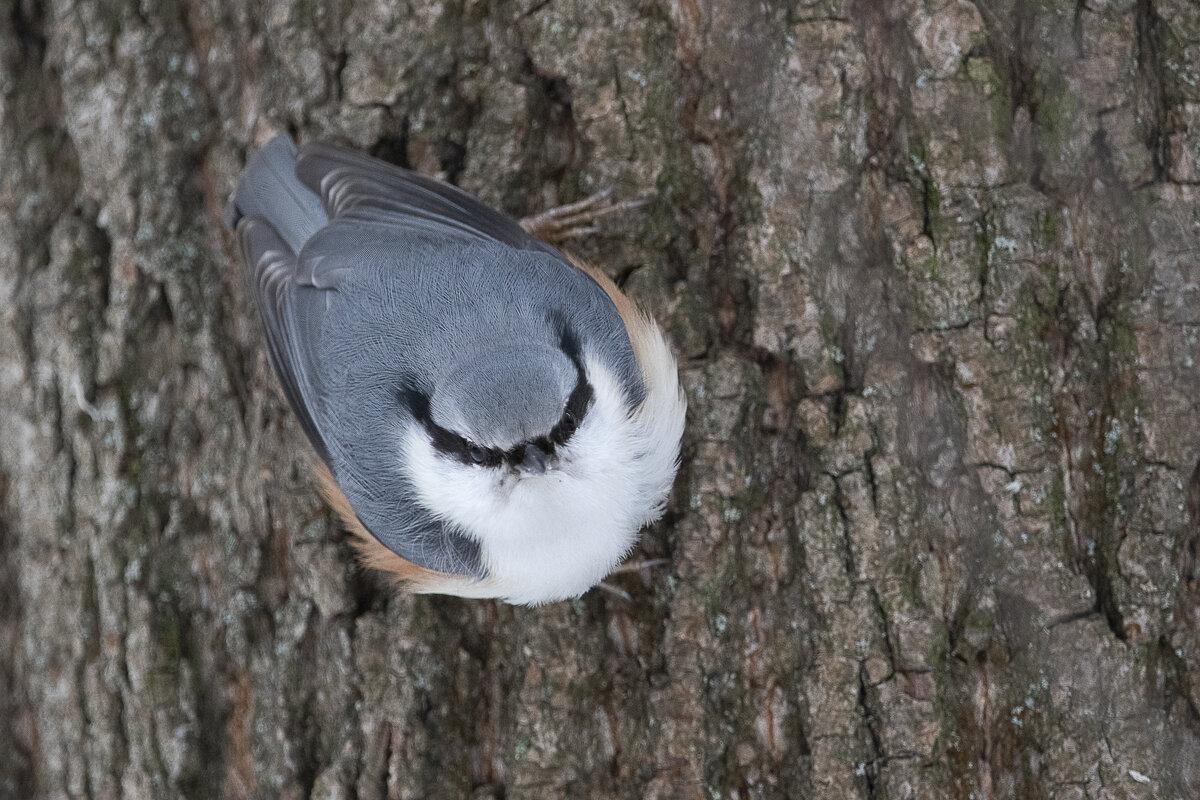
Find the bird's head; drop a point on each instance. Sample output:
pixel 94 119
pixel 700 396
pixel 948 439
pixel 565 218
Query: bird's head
pixel 537 455
pixel 509 413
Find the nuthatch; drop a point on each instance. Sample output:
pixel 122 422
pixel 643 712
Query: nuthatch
pixel 492 419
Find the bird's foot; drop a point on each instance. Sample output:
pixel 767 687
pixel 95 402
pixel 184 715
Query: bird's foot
pixel 624 569
pixel 577 219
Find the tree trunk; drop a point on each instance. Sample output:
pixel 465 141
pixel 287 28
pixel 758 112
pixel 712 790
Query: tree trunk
pixel 933 274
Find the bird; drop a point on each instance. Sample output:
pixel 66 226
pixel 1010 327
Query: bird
pixel 490 418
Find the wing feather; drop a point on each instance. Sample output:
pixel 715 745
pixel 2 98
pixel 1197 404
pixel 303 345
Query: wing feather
pixel 357 187
pixel 272 270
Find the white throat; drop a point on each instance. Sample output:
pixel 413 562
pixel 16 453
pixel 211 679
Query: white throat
pixel 550 537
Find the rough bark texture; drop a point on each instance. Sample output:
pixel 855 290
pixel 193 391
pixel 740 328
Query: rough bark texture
pixel 932 268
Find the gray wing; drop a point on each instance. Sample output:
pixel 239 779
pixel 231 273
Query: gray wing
pixel 272 269
pixel 358 187
pixel 274 216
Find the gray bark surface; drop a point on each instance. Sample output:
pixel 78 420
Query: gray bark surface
pixel 932 269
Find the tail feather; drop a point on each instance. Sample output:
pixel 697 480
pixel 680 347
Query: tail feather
pixel 270 189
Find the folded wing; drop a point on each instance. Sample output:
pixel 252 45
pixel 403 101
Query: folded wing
pixel 357 187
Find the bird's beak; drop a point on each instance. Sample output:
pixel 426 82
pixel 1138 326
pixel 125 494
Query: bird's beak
pixel 535 460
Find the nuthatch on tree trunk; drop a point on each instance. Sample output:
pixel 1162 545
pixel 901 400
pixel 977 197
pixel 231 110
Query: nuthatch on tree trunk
pixel 492 419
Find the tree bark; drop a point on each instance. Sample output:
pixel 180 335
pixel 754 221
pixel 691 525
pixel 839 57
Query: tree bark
pixel 932 270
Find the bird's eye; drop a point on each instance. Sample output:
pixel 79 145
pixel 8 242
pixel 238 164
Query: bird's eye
pixel 477 453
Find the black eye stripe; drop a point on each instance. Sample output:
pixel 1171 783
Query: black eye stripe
pixel 446 441
pixel 452 444
pixel 569 344
pixel 577 408
pixel 415 400
pixel 577 403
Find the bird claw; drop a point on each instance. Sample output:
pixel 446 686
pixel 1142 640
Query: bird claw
pixel 574 220
pixel 615 591
pixel 627 567
pixel 638 566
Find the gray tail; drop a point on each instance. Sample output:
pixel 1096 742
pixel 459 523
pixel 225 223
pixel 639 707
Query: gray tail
pixel 270 189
